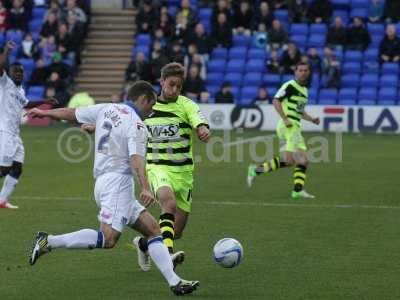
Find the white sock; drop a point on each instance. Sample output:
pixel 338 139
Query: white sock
pixel 9 185
pixel 82 239
pixel 160 255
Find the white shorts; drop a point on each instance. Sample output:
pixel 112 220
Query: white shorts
pixel 114 195
pixel 11 149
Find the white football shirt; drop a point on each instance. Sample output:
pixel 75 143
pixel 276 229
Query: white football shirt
pixel 120 133
pixel 12 103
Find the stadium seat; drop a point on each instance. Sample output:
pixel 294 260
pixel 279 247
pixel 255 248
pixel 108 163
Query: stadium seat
pixel 341 13
pixel 387 95
pixel 375 40
pixel 351 80
pixel 359 12
pixel 213 89
pixel 252 79
pixel 37 91
pixel 360 3
pixel 143 39
pixel 15 36
pixel 371 68
pixel 35 25
pixel 326 101
pixel 234 78
pixel 38 13
pixel 249 92
pixel 386 102
pixel 366 102
pixel 143 48
pixel 299 29
pixel 237 52
pixel 205 14
pixel 214 78
pixel 353 56
pixel 347 93
pixel 316 40
pixel 219 53
pixel 318 29
pixel 254 53
pixel 376 29
pixel 341 4
pixel 236 92
pixel 312 94
pixel 29 64
pixel 352 68
pixel 390 68
pixel 388 81
pixel 369 80
pixel 299 40
pixel 245 101
pixel 241 40
pixel 347 101
pixel 172 10
pixel 255 65
pixel 235 65
pixel 282 15
pixel 328 94
pixel 216 66
pixel 272 80
pixel 287 77
pixel 367 93
pixel 371 54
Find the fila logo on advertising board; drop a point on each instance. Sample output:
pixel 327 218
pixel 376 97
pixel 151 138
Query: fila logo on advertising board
pixel 357 121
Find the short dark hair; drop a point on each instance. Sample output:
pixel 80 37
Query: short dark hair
pixel 302 63
pixel 140 88
pixel 173 69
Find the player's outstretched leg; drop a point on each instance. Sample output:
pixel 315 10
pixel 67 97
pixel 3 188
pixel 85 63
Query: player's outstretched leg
pixel 269 166
pixel 11 177
pixel 299 176
pixel 144 260
pixel 40 247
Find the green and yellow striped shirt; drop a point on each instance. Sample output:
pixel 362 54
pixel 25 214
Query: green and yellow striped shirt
pixel 170 134
pixel 294 98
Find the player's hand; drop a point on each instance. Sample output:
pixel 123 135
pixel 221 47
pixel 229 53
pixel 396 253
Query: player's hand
pixel 203 133
pixel 89 128
pixel 287 122
pixel 147 198
pixel 316 121
pixel 36 113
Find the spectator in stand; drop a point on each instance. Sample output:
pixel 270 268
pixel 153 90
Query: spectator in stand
pixel 337 34
pixel 159 37
pixel 375 13
pixel 47 48
pixel 50 26
pixel 194 85
pixel 290 57
pixel 274 63
pixel 55 8
pixel 331 69
pixel 181 29
pixel 223 6
pixel 194 58
pixel 201 39
pixel 298 11
pixel 39 74
pixel 358 37
pixel 314 60
pixel 3 18
pixel 389 49
pixel 146 17
pixel 187 12
pixel 392 11
pixel 59 66
pixel 166 23
pixel 242 18
pixel 262 96
pixel 260 37
pixel 19 16
pixel 72 8
pixel 55 81
pixel 64 40
pixel 176 53
pixel 158 60
pixel 222 32
pixel 263 15
pixel 224 95
pixel 277 35
pixel 28 48
pixel 138 69
pixel 76 32
pixel 277 4
pixel 320 11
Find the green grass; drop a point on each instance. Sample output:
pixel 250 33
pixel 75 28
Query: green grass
pixel 343 245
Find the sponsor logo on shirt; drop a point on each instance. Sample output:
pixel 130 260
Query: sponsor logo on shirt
pixel 164 131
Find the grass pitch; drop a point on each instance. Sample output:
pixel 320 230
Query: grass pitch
pixel 343 245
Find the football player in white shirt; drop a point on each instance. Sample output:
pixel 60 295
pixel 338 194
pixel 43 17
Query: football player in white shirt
pixel 120 150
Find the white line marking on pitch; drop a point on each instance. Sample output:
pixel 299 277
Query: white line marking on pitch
pixel 307 203
pixel 254 139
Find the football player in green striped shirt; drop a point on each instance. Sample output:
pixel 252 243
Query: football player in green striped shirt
pixel 170 159
pixel 289 102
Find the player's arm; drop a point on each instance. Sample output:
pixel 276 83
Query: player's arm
pixel 138 165
pixel 51 101
pixel 67 114
pixel 309 118
pixel 278 107
pixel 198 121
pixel 4 56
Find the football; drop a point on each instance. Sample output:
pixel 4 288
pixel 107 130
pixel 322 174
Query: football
pixel 228 253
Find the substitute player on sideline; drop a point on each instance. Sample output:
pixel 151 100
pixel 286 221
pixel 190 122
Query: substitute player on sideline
pixel 170 158
pixel 120 147
pixel 289 102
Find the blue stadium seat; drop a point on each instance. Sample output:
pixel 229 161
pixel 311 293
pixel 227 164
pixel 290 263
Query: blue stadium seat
pixel 299 40
pixel 328 94
pixel 341 13
pixel 316 40
pixel 299 29
pixel 359 12
pixel 216 66
pixel 35 25
pixel 37 91
pixel 387 94
pixel 249 92
pixel 347 101
pixel 360 3
pixel 143 39
pixel 386 102
pixel 282 15
pixel 214 78
pixel 353 56
pixel 236 92
pixel 38 13
pixel 388 81
pixel 172 10
pixel 371 67
pixel 252 79
pixel 287 77
pixel 376 29
pixel 219 53
pixel 255 65
pixel 142 48
pixel 376 40
pixel 366 102
pixel 318 29
pixel 237 52
pixel 2 40
pixel 207 25
pixel 371 54
pixel 312 94
pixel 15 36
pixel 241 40
pixel 347 94
pixel 205 13
pixel 29 64
pixel 234 78
pixel 254 53
pixel 213 89
pixel 390 68
pixel 341 4
pixel 326 101
pixel 369 80
pixel 272 80
pixel 351 80
pixel 235 65
pixel 367 93
pixel 352 68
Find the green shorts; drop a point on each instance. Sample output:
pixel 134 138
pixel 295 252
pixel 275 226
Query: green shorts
pixel 181 183
pixel 292 138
